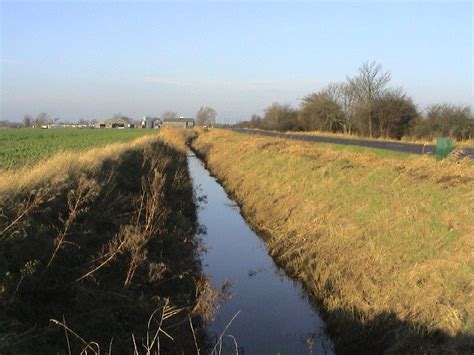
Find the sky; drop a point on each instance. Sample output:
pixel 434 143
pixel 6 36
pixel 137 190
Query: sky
pixel 94 59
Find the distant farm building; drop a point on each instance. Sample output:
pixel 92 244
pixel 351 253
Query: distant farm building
pixel 150 122
pixel 115 122
pixel 178 122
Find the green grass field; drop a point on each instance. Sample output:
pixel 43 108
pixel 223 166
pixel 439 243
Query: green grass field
pixel 19 147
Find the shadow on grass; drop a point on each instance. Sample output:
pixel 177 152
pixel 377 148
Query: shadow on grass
pixel 386 333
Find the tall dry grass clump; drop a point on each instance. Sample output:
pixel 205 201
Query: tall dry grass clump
pixel 385 245
pixel 177 138
pixel 98 242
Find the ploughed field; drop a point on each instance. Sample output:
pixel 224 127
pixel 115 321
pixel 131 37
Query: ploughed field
pixel 27 146
pixel 384 244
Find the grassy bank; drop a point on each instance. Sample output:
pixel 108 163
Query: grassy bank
pixel 27 145
pixel 469 143
pixel 104 245
pixel 461 144
pixel 385 245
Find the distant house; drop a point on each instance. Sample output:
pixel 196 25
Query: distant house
pixel 115 122
pixel 178 122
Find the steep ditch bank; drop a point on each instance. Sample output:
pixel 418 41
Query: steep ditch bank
pixel 105 247
pixel 265 311
pixel 382 244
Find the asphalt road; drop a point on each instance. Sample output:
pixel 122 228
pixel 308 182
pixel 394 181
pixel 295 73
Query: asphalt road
pixel 394 146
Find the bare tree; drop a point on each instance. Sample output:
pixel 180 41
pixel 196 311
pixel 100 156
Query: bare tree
pixel 334 91
pixel 42 119
pixel 83 122
pixel 169 114
pixel 343 94
pixel 393 114
pixel 122 117
pixel 27 121
pixel 347 102
pixel 206 116
pixel 369 85
pixel 446 120
pixel 321 111
pixel 280 117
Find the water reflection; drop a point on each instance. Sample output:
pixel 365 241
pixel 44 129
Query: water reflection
pixel 270 312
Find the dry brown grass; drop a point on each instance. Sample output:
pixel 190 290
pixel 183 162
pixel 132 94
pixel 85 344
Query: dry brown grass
pixel 384 244
pixel 62 165
pixel 459 144
pixel 177 137
pixel 65 164
pixel 101 240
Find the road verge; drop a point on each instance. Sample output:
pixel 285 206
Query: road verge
pixel 384 245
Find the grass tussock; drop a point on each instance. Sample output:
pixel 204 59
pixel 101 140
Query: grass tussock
pixel 102 244
pixel 385 245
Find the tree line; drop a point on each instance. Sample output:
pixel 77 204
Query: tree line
pixel 205 116
pixel 44 119
pixel 366 105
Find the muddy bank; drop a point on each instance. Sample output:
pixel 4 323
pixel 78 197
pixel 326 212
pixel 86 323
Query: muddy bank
pixel 99 251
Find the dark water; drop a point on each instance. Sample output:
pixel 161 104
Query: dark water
pixel 275 313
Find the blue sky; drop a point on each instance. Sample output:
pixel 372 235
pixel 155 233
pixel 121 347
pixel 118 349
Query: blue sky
pixel 91 60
